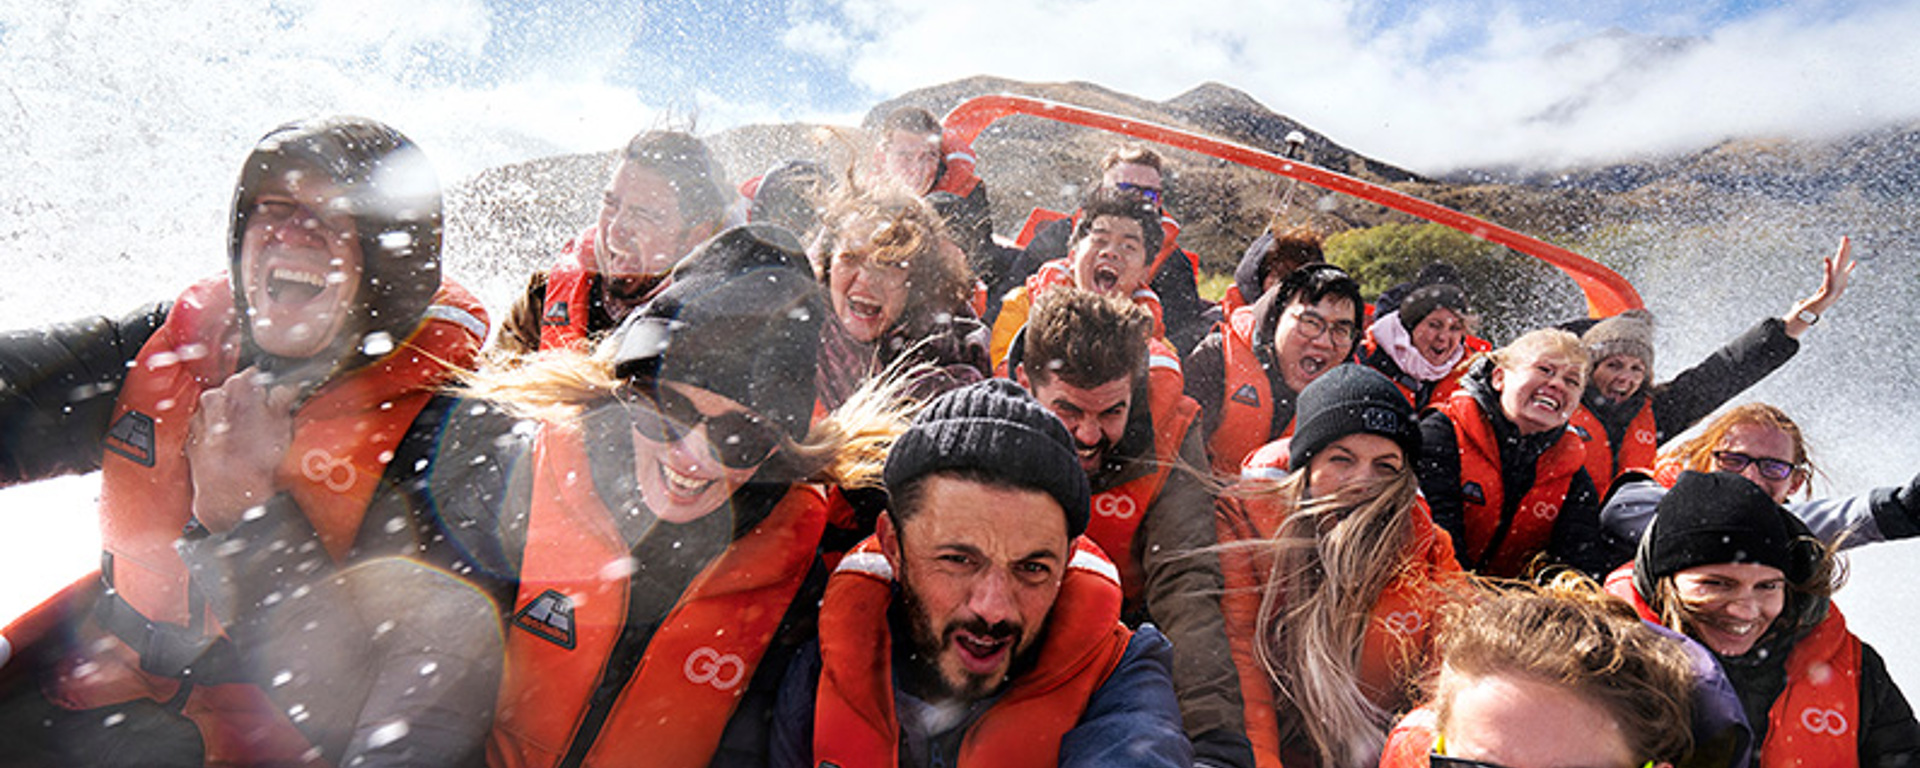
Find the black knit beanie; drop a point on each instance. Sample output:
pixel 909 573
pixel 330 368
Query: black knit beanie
pixel 994 427
pixel 1350 399
pixel 1721 517
pixel 1424 301
pixel 741 318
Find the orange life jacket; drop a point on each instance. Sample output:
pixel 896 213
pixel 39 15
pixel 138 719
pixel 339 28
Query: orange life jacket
pixel 855 723
pixel 1018 306
pixel 1605 460
pixel 1117 511
pixel 343 437
pixel 1397 648
pixel 1816 719
pixel 571 608
pixel 1498 545
pixel 1411 740
pixel 569 298
pixel 957 175
pixel 1246 410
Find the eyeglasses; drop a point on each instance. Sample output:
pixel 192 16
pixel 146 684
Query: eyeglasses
pixel 1771 469
pixel 1150 193
pixel 1439 759
pixel 739 439
pixel 1310 325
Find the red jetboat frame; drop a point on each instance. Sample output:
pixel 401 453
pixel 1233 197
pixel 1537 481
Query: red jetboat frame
pixel 1607 292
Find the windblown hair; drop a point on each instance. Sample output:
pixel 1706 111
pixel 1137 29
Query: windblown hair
pixel 899 229
pixel 1332 558
pixel 1536 344
pixel 912 120
pixel 1697 454
pixel 686 165
pixel 1137 154
pixel 1085 339
pixel 1291 249
pixel 1123 205
pixel 1571 635
pixel 848 447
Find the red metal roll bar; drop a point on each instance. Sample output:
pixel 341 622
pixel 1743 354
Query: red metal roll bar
pixel 1607 292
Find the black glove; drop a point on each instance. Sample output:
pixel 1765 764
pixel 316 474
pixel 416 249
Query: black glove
pixel 1897 510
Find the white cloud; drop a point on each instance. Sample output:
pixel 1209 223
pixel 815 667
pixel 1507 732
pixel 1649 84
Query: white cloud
pixel 1450 85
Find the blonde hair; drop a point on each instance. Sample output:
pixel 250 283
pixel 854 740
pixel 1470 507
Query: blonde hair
pixel 848 447
pixel 1543 342
pixel 1697 453
pixel 1332 556
pixel 1571 635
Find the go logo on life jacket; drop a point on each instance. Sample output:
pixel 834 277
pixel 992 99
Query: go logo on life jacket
pixel 1544 510
pixel 1643 436
pixel 322 467
pixel 1404 622
pixel 706 666
pixel 1827 721
pixel 1118 505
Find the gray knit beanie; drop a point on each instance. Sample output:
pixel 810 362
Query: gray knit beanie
pixel 1628 333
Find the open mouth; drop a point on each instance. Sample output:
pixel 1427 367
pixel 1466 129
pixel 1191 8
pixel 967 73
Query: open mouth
pixel 1105 279
pixel 980 654
pixel 862 309
pixel 290 285
pixel 1547 402
pixel 1312 365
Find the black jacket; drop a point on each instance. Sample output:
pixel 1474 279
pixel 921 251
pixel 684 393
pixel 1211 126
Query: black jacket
pixel 1578 539
pixel 58 387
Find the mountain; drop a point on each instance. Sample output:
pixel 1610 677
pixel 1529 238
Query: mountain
pixel 516 216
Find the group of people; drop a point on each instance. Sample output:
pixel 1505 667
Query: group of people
pixel 825 474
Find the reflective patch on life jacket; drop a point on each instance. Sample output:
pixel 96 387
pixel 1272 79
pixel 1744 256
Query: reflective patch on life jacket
pixel 1474 493
pixel 132 436
pixel 1247 395
pixel 1581 431
pixel 557 314
pixel 549 617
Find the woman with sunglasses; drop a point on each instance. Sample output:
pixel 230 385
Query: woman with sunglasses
pixel 1502 471
pixel 1333 575
pixel 651 539
pixel 1725 564
pixel 1556 677
pixel 1764 445
pixel 900 290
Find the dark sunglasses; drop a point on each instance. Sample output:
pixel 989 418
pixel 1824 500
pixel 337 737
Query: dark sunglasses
pixel 739 439
pixel 1771 469
pixel 1149 193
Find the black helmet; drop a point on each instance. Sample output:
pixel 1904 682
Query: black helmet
pixel 394 198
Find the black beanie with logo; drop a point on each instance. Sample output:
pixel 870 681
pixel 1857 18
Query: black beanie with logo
pixel 1349 399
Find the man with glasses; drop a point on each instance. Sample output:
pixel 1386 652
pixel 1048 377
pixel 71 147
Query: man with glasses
pixel 1173 273
pixel 665 196
pixel 1246 374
